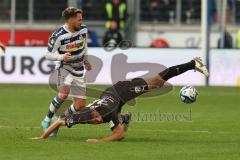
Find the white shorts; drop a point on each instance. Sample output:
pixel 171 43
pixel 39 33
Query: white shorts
pixel 62 77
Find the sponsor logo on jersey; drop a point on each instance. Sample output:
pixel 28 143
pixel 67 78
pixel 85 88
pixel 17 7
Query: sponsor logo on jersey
pixel 138 89
pixel 74 46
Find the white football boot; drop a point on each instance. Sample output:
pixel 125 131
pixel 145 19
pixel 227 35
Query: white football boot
pixel 200 67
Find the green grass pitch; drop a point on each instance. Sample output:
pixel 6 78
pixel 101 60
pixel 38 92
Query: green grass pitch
pixel 207 129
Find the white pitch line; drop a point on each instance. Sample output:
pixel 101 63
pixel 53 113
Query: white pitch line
pixel 135 129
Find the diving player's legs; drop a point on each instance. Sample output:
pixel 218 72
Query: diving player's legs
pixel 128 90
pixel 173 71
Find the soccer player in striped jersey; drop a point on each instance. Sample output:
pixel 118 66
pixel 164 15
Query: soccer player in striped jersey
pixel 68 47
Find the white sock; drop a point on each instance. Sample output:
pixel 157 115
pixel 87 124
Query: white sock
pixel 47 119
pixel 51 112
pixel 73 109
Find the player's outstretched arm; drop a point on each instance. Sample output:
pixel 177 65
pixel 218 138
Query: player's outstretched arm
pixel 50 129
pixel 118 134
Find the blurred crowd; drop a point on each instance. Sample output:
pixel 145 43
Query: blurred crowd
pixel 114 14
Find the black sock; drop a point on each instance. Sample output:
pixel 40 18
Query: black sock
pixel 50 114
pixel 177 70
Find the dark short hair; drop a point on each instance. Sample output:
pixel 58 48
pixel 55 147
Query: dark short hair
pixel 71 12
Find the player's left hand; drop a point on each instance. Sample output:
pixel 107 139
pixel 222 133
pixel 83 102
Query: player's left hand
pixel 93 140
pixel 88 66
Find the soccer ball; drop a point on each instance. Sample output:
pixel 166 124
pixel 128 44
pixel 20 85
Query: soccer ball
pixel 188 94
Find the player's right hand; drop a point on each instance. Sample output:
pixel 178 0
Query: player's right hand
pixel 67 56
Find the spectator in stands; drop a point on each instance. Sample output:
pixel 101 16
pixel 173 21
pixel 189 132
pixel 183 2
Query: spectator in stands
pixel 95 9
pixel 154 9
pixel 238 39
pixel 237 4
pixel 212 11
pixel 116 10
pixel 5 6
pixel 92 39
pixel 161 10
pixel 227 41
pixel 2 46
pixel 87 4
pixel 112 36
pixel 230 10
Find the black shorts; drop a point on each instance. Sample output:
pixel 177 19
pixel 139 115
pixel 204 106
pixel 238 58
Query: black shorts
pixel 107 107
pixel 127 90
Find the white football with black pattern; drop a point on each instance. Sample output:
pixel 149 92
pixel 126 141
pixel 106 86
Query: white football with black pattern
pixel 188 94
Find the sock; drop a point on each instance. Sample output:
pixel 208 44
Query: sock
pixel 177 70
pixel 72 108
pixel 54 106
pixel 69 111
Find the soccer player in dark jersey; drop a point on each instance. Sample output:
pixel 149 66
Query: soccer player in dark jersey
pixel 107 109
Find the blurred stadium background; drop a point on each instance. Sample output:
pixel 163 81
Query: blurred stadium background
pixel 172 24
pixel 145 18
pixel 166 32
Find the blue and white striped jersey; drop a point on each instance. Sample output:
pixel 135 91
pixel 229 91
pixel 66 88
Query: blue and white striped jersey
pixel 63 41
